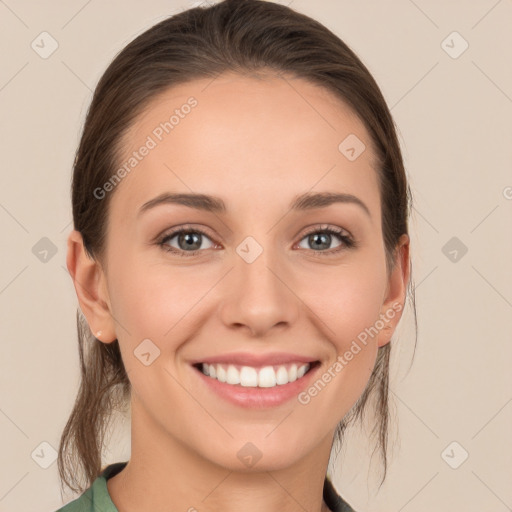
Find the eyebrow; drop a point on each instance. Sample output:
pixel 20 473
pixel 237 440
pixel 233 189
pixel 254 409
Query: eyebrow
pixel 303 202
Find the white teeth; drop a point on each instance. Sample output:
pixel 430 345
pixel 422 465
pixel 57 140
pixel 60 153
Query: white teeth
pixel 282 375
pixel 221 374
pixel 233 375
pixel 247 376
pixel 301 371
pixel 267 377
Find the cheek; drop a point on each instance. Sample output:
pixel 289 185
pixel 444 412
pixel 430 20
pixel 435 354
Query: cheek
pixel 348 309
pixel 151 300
pixel 347 301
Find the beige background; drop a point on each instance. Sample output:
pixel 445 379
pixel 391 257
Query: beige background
pixel 454 118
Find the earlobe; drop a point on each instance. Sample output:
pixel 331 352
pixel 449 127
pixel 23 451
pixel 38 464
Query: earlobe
pixel 394 302
pixel 90 286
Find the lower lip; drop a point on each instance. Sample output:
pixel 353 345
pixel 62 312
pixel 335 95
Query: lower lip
pixel 256 397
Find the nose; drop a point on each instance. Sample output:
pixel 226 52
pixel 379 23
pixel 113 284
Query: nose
pixel 258 295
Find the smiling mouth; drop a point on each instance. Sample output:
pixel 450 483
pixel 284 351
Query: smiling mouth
pixel 256 377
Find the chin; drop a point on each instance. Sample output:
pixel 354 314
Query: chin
pixel 247 457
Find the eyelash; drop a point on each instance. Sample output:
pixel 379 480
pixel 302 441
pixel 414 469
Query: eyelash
pixel 347 241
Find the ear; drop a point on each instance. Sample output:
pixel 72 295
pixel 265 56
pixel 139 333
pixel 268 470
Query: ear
pixel 90 286
pixel 396 292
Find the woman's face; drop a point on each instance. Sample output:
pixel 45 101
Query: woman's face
pixel 265 282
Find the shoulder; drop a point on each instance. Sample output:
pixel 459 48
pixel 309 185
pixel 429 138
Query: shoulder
pixel 96 497
pixel 333 500
pixel 85 503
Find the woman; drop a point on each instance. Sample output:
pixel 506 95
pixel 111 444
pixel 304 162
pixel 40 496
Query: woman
pixel 240 254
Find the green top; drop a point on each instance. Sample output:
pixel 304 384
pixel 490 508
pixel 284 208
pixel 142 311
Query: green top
pixel 97 499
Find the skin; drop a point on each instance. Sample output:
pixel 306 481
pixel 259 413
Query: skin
pixel 256 143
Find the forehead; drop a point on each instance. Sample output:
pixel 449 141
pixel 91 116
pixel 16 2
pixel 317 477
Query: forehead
pixel 263 137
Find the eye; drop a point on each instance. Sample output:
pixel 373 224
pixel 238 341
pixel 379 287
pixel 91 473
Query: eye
pixel 189 241
pixel 321 238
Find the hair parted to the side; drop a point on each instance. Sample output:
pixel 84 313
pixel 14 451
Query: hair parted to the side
pixel 245 36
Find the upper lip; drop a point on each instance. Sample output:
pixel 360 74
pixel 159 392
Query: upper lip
pixel 244 359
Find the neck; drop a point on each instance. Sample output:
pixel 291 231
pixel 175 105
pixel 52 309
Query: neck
pixel 162 470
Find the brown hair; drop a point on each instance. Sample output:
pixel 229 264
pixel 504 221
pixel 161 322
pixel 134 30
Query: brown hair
pixel 235 35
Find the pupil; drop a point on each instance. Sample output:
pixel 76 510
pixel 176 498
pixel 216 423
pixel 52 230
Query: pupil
pixel 317 239
pixel 189 239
